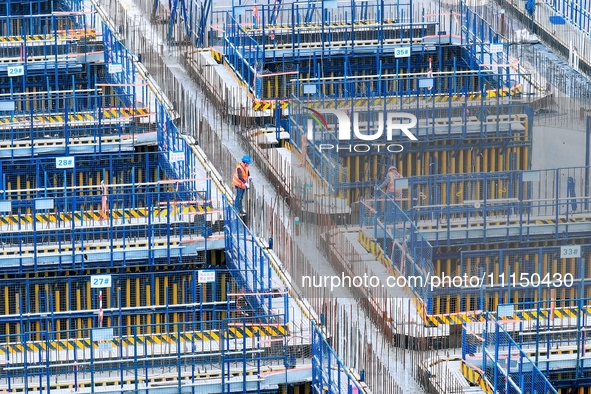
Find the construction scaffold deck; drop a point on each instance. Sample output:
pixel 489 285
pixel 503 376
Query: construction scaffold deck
pixel 125 268
pixel 547 353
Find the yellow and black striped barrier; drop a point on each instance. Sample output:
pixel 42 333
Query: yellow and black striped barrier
pixel 438 98
pixel 312 26
pixel 96 215
pixel 562 220
pixel 266 105
pixel 453 318
pixel 434 320
pixel 153 381
pixel 267 330
pixel 525 315
pixel 125 112
pixel 217 56
pixel 494 221
pixel 114 113
pixel 92 247
pixel 74 34
pixel 474 376
pixel 250 331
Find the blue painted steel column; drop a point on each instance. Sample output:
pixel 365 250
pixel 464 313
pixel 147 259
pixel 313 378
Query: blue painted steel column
pixel 166 310
pixel 548 338
pixel 23 333
pixel 244 360
pixel 580 316
pixel 146 368
pixel 222 353
pixel 121 365
pixel 178 356
pixel 587 159
pixel 496 367
pixel 557 203
pixel 75 370
pixel 41 371
pixel 538 312
pixel 135 361
pixel 91 365
pixel 278 122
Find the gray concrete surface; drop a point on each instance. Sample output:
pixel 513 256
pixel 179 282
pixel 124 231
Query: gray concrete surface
pixel 555 147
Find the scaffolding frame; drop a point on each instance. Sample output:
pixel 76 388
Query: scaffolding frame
pixel 504 364
pixel 112 344
pixel 406 239
pixel 516 201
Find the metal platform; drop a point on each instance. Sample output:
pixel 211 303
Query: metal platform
pixel 59 38
pixel 58 120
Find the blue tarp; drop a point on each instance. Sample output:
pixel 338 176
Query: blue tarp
pixel 557 20
pixel 530 7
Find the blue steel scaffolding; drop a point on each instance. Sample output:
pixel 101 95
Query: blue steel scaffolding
pixel 57 92
pixel 432 214
pixel 149 197
pixel 367 60
pixel 34 7
pixel 127 346
pixel 109 230
pixel 279 41
pixel 530 346
pixel 363 39
pixel 453 73
pixel 500 362
pixel 439 127
pixel 445 207
pixel 328 372
pixel 193 16
pixel 576 13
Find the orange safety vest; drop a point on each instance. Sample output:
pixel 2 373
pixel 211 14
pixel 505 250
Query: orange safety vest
pixel 236 180
pixel 393 175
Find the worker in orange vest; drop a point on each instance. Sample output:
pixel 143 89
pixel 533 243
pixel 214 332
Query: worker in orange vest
pixel 240 182
pixel 104 200
pixel 388 183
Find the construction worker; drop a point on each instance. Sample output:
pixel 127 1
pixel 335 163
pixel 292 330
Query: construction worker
pixel 388 183
pixel 104 200
pixel 240 182
pixel 465 113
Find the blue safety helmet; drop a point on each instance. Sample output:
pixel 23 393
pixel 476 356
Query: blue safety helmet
pixel 246 159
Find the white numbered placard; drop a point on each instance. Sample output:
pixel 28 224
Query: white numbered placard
pixel 402 52
pixel 115 68
pixel 496 48
pixel 100 281
pixel 16 71
pixel 65 162
pixel 206 276
pixel 176 156
pixel 568 251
